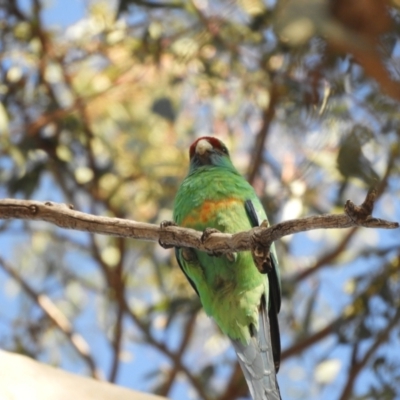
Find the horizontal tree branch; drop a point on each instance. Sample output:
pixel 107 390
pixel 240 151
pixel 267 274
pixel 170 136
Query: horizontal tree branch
pixel 65 216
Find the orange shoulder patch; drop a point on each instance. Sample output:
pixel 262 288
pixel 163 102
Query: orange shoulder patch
pixel 203 213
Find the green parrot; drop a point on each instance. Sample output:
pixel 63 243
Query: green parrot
pixel 242 301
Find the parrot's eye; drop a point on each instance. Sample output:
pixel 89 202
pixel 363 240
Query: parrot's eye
pixel 224 150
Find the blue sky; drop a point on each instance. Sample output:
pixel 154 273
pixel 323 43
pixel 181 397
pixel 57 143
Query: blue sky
pixel 60 13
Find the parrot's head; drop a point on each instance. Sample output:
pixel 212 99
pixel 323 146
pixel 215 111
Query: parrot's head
pixel 210 151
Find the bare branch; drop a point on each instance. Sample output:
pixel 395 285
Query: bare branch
pixel 65 217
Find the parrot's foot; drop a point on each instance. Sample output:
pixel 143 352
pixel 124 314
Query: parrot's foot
pixel 261 254
pixel 232 257
pixel 206 234
pixel 163 225
pixel 262 259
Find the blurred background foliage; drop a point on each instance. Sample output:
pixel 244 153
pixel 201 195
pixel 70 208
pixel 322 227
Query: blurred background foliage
pixel 100 114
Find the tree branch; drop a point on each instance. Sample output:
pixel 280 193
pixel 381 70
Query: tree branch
pixel 65 217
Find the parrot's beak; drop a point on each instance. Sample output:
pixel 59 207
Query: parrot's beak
pixel 203 146
pixel 203 152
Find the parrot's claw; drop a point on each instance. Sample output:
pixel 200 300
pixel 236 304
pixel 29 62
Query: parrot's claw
pixel 261 254
pixel 206 234
pixel 166 224
pixel 163 225
pixel 232 257
pixel 262 259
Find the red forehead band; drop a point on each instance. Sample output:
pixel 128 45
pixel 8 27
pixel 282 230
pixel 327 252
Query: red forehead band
pixel 215 143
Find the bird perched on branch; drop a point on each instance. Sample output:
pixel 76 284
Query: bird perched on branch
pixel 242 301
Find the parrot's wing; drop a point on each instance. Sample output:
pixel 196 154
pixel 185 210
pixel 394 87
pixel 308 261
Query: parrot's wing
pixel 274 301
pixel 256 360
pixel 178 256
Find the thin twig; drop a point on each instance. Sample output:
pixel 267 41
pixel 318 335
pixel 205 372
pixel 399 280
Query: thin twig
pixel 59 319
pixel 188 331
pixel 119 290
pixel 332 255
pixel 326 258
pixel 314 338
pixel 197 385
pixel 236 387
pixel 115 281
pixel 267 116
pixel 357 366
